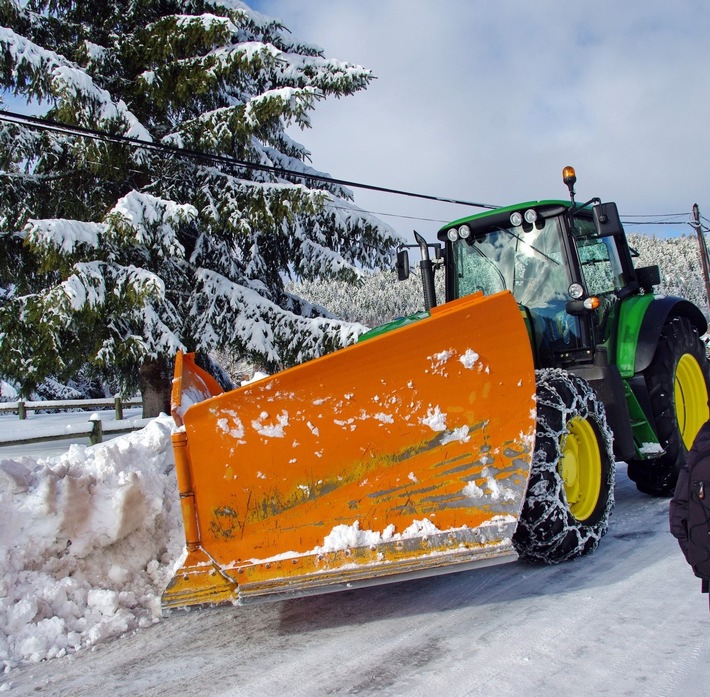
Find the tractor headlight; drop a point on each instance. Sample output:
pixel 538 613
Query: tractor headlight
pixel 516 219
pixel 452 234
pixel 464 232
pixel 575 291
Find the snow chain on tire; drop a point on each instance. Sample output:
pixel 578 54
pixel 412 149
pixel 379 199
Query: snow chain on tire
pixel 548 531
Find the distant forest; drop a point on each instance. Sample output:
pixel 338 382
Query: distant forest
pixel 380 297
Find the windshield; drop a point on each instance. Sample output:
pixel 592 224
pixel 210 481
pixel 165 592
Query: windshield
pixel 531 264
pixel 528 263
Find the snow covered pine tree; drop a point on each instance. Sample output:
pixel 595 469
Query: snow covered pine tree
pixel 120 255
pixel 689 509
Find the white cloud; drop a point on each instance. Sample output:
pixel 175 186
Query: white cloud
pixel 487 101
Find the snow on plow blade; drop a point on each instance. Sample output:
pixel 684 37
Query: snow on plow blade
pixel 405 455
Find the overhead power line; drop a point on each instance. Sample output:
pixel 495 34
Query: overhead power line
pixel 656 215
pixel 80 131
pixel 58 127
pixel 655 222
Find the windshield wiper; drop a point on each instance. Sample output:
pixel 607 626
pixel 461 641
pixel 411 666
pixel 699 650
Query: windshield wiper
pixel 535 249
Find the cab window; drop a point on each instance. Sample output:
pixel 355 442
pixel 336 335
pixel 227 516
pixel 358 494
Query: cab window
pixel 599 257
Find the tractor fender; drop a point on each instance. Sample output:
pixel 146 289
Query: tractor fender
pixel 657 314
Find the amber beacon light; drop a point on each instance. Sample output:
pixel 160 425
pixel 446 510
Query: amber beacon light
pixel 569 177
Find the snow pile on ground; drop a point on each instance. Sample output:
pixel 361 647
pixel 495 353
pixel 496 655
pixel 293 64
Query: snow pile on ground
pixel 88 541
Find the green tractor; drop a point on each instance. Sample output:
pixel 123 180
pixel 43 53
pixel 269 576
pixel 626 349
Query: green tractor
pixel 614 361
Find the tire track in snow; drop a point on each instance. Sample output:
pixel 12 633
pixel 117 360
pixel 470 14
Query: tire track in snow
pixel 624 620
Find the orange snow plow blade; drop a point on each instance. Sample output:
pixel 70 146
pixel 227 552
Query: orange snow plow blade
pixel 405 455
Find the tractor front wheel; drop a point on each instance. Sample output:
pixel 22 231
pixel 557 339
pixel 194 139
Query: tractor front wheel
pixel 571 489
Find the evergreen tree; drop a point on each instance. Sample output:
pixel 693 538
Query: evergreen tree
pixel 121 255
pixel 680 264
pixel 375 299
pixel 379 297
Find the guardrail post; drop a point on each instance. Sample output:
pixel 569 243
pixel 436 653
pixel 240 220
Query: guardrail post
pixel 119 408
pixel 97 429
pixel 21 412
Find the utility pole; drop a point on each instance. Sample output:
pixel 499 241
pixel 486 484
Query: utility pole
pixel 703 249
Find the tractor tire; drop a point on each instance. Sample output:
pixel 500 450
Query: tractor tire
pixel 570 493
pixel 678 382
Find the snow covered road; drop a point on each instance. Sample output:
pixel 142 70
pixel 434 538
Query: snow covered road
pixel 627 620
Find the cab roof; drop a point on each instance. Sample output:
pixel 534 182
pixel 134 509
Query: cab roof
pixel 498 216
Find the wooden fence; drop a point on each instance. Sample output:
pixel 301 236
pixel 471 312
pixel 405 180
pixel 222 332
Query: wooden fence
pixel 94 429
pixel 22 407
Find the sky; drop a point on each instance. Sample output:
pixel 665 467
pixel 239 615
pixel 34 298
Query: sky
pixel 487 101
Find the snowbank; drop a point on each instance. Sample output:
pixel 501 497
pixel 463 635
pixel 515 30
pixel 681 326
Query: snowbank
pixel 88 541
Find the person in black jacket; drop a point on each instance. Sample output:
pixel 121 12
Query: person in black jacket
pixel 689 510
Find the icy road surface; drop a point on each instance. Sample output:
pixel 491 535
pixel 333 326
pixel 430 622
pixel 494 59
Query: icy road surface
pixel 627 620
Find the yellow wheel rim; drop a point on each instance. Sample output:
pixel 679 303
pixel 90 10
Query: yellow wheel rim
pixel 691 398
pixel 581 468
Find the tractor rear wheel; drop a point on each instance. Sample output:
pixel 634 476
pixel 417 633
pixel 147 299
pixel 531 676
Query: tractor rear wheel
pixel 571 489
pixel 678 381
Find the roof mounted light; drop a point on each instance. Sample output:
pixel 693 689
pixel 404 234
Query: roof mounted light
pixel 464 232
pixel 452 234
pixel 569 177
pixel 530 215
pixel 516 219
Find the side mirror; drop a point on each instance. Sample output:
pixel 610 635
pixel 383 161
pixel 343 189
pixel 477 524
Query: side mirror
pixel 606 220
pixel 648 276
pixel 402 265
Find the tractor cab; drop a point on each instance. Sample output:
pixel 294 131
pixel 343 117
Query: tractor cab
pixel 521 249
pixel 566 265
pixel 589 312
